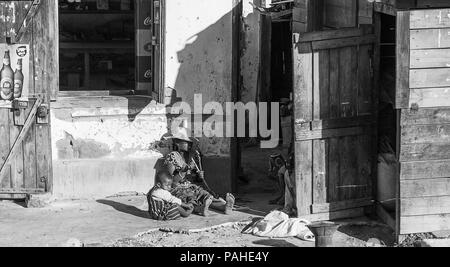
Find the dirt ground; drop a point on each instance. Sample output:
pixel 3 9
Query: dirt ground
pixel 347 236
pixel 123 222
pixel 91 221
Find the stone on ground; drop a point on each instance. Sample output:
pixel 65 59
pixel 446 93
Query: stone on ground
pixel 38 200
pixel 435 243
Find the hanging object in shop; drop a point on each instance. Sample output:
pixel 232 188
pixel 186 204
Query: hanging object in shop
pixel 15 73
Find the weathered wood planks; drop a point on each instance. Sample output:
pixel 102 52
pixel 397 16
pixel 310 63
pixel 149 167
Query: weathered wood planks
pixel 425 172
pixel 430 97
pixel 335 120
pixel 32 159
pixel 425 151
pixel 423 53
pixel 424 223
pixel 424 19
pixel 429 78
pixel 403 60
pixel 420 206
pixel 430 58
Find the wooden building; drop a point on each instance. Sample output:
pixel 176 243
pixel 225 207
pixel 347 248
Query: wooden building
pixel 350 57
pixel 86 129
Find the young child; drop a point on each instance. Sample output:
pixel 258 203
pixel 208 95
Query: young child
pixel 163 206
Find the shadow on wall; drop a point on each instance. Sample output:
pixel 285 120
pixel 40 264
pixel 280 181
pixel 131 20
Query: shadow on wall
pixel 206 61
pixel 204 64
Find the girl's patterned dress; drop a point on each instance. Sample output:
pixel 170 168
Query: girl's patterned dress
pixel 161 210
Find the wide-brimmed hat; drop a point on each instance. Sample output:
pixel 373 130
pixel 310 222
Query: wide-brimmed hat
pixel 182 134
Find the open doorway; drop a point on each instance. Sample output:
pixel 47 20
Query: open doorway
pixel 388 166
pixel 259 185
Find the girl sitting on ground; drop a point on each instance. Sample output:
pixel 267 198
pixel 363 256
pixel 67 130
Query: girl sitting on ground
pixel 163 206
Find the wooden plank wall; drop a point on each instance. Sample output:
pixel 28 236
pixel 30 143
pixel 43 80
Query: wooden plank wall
pixel 425 122
pixel 425 170
pixel 429 58
pixel 30 171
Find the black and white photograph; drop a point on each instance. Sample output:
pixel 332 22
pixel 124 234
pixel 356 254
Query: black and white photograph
pixel 236 126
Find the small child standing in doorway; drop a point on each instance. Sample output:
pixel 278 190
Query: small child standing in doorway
pixel 163 206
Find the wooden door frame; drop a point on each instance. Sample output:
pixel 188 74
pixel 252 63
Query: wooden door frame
pixel 235 149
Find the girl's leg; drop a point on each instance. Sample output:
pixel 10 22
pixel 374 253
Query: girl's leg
pixel 222 205
pixel 173 213
pixel 185 212
pixel 219 204
pixel 231 200
pixel 203 209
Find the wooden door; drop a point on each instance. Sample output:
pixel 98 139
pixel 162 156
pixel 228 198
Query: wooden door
pixel 29 169
pixel 423 98
pixel 335 122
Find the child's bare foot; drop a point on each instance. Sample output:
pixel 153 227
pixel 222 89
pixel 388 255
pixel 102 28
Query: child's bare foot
pixel 231 200
pixel 204 209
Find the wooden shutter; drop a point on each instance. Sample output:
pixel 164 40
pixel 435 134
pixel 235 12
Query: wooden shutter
pixel 335 122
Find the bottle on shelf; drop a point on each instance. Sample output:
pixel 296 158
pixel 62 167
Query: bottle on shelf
pixel 102 4
pixel 18 80
pixel 7 78
pixel 125 4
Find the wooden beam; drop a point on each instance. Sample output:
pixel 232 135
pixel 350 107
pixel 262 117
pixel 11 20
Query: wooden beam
pixel 305 135
pixel 332 34
pixel 335 215
pixel 403 60
pixel 27 20
pixel 342 205
pixel 385 8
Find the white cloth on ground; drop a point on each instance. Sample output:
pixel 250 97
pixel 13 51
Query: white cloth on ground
pixel 278 225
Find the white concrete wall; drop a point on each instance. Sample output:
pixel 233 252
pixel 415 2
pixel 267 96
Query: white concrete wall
pixel 107 128
pixel 199 48
pixel 104 146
